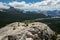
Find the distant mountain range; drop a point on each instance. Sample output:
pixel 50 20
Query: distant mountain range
pixel 53 13
pixel 16 15
pixel 18 11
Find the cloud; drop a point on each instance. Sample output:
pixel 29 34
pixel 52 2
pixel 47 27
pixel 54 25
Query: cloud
pixel 3 6
pixel 43 5
pixel 19 5
pixel 48 5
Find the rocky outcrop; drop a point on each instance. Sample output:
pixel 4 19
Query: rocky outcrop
pixel 19 31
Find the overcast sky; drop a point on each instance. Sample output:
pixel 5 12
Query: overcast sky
pixel 31 4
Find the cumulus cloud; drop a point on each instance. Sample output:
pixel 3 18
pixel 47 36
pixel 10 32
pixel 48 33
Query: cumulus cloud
pixel 48 5
pixel 3 6
pixel 43 5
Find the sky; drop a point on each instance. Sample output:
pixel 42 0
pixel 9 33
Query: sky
pixel 31 1
pixel 31 4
